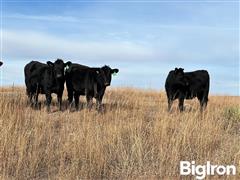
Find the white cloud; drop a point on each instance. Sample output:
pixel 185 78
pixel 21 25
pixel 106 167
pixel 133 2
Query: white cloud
pixel 27 44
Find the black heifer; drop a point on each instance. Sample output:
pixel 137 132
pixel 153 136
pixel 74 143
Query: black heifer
pixel 92 82
pixel 45 79
pixel 187 85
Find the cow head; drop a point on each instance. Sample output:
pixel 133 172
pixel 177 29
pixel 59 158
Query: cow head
pixel 179 71
pixel 179 76
pixel 1 63
pixel 58 68
pixel 67 66
pixel 105 73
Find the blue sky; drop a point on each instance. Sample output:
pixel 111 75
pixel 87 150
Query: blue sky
pixel 145 40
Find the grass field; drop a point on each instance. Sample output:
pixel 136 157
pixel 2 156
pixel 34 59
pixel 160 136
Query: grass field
pixel 135 137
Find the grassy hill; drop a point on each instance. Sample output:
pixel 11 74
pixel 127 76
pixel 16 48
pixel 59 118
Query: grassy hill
pixel 135 136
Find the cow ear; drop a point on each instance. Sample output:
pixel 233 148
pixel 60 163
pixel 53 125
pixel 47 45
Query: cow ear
pixel 67 63
pixel 114 71
pixel 50 63
pixel 176 70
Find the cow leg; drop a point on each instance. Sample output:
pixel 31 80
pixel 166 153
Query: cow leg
pixel 181 104
pixel 95 90
pixel 70 97
pixel 49 100
pixel 29 94
pixel 59 96
pixel 89 98
pixel 69 91
pixel 36 98
pixel 170 102
pixel 76 99
pixel 89 102
pixel 203 102
pixel 99 103
pixel 203 105
pixel 30 98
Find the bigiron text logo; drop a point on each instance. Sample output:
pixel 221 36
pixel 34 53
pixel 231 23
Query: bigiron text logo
pixel 201 171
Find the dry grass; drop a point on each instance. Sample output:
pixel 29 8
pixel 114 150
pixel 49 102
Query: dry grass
pixel 134 138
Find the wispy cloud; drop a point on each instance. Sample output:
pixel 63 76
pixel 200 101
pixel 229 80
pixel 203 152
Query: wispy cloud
pixel 55 18
pixel 27 44
pixel 193 27
pixel 59 18
pixel 109 20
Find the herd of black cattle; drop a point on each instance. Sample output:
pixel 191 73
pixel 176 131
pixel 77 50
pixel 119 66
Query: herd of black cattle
pixel 41 78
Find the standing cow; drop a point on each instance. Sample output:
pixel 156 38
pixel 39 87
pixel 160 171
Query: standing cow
pixel 45 79
pixel 91 82
pixel 187 85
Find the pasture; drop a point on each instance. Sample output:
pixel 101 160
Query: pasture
pixel 135 136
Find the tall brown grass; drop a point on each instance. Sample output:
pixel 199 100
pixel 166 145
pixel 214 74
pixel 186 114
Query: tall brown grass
pixel 135 137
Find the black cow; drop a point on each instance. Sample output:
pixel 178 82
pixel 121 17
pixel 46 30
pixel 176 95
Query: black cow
pixel 187 85
pixel 45 79
pixel 1 63
pixel 69 71
pixel 91 82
